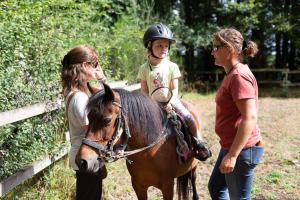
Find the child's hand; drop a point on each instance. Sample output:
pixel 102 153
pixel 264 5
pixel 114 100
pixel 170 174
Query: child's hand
pixel 168 108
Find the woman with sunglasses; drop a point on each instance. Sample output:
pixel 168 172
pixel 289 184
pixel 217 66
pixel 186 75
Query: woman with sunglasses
pixel 236 118
pixel 79 67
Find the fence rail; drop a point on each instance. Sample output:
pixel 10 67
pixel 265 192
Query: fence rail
pixel 9 117
pixel 282 77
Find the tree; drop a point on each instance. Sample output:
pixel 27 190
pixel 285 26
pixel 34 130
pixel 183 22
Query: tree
pixel 272 24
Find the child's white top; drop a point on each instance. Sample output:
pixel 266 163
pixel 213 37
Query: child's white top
pixel 159 75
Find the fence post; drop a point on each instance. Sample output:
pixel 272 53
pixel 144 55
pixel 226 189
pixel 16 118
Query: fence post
pixel 217 77
pixel 285 82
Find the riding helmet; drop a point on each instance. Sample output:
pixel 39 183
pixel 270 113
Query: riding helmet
pixel 158 31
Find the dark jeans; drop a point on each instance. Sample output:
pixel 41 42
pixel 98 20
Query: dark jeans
pixel 88 186
pixel 237 184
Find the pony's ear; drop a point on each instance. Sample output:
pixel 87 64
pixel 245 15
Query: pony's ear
pixel 92 89
pixel 109 94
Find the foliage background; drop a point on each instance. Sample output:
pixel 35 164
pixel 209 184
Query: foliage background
pixel 34 37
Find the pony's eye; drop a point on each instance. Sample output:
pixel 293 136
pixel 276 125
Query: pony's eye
pixel 107 121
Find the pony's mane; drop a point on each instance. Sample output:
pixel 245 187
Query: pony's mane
pixel 144 115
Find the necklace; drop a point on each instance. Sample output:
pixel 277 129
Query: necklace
pixel 153 66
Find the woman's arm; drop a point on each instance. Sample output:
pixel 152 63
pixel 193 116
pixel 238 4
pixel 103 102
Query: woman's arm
pixel 248 111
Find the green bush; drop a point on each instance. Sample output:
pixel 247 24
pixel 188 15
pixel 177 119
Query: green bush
pixel 126 51
pixel 29 140
pixel 34 37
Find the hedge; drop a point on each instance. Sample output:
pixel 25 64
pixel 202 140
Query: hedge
pixel 34 36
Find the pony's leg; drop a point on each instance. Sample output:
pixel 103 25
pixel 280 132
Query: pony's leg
pixel 168 190
pixel 140 190
pixel 193 180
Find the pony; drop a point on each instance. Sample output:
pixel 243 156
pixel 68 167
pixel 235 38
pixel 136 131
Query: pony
pixel 130 125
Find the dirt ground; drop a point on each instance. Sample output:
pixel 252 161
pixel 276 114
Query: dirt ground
pixel 277 177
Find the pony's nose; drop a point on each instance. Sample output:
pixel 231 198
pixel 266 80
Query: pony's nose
pixel 83 165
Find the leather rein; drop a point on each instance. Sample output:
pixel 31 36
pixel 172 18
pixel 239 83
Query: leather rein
pixel 108 154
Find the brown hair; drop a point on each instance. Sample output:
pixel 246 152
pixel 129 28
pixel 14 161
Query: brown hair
pixel 72 75
pixel 234 39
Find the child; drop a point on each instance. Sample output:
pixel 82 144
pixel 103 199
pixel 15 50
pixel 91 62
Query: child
pixel 159 71
pixel 79 67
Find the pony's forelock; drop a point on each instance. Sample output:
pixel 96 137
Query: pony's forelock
pixel 144 114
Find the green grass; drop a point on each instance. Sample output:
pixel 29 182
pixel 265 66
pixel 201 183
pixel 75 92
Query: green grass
pixel 55 182
pixel 270 196
pixel 274 177
pixel 198 96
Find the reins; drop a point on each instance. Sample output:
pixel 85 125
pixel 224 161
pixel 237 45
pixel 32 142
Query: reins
pixel 162 87
pixel 132 152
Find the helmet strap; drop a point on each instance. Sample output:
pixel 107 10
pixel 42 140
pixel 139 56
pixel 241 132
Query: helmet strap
pixel 152 54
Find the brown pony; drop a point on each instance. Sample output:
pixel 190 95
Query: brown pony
pixel 131 125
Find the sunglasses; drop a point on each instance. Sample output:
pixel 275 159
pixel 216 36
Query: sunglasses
pixel 94 64
pixel 217 47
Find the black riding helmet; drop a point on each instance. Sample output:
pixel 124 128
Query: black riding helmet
pixel 158 31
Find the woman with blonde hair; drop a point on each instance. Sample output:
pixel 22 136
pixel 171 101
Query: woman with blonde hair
pixel 80 66
pixel 236 118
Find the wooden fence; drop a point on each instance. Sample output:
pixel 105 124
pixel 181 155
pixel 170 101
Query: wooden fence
pixel 284 78
pixel 31 111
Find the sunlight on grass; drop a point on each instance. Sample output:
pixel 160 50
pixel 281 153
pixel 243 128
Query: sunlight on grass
pixel 271 196
pixel 198 96
pixel 256 189
pixel 290 187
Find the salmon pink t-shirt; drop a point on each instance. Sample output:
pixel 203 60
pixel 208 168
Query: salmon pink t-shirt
pixel 239 84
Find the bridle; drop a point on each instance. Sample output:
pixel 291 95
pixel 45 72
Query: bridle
pixel 107 153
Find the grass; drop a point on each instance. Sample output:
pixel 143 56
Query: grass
pixel 196 96
pixel 273 177
pixel 55 182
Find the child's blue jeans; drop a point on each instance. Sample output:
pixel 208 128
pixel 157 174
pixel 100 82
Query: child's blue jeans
pixel 237 184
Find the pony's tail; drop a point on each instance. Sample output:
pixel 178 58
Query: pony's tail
pixel 183 187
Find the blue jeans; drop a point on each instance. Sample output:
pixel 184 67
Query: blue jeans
pixel 237 184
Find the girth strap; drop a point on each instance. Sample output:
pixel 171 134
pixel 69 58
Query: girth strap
pixel 182 148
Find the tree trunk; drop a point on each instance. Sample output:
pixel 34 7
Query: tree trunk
pixel 285 51
pixel 291 58
pixel 189 62
pixel 278 58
